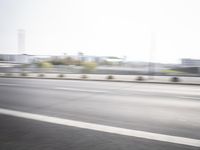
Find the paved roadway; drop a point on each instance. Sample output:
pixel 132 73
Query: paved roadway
pixel 169 113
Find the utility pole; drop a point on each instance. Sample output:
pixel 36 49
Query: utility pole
pixel 21 41
pixel 151 66
pixel 21 46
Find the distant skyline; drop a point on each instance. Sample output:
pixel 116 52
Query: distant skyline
pixel 103 27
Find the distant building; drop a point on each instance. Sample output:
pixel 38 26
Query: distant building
pixel 187 62
pixel 16 58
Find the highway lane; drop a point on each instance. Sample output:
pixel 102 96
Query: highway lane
pixel 23 134
pixel 143 107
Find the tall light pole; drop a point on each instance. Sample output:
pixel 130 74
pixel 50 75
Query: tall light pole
pixel 151 65
pixel 21 41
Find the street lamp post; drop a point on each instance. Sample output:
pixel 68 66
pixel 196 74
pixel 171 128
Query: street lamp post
pixel 151 65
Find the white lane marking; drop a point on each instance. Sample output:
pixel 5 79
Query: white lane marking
pixel 7 84
pixel 79 90
pixel 57 88
pixel 103 128
pixel 169 91
pixel 188 97
pixel 15 85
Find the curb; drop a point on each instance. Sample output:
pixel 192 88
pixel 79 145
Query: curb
pixel 104 80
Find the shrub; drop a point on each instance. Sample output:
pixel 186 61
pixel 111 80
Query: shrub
pixel 44 65
pixel 171 72
pixel 175 79
pixel 84 76
pixel 89 66
pixel 110 77
pixel 8 74
pixel 24 65
pixel 140 78
pixel 41 75
pixel 61 75
pixel 23 74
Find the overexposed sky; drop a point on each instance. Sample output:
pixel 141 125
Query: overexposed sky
pixel 104 27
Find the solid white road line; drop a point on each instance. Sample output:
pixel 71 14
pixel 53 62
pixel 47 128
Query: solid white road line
pixel 103 128
pixel 7 84
pixel 188 97
pixel 56 88
pixel 79 90
pixel 169 91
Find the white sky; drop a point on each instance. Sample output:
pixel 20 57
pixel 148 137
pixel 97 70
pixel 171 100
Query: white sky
pixel 103 27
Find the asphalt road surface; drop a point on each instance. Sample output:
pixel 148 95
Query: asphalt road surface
pixel 40 114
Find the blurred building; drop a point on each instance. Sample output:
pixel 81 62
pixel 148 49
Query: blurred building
pixel 16 58
pixel 187 62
